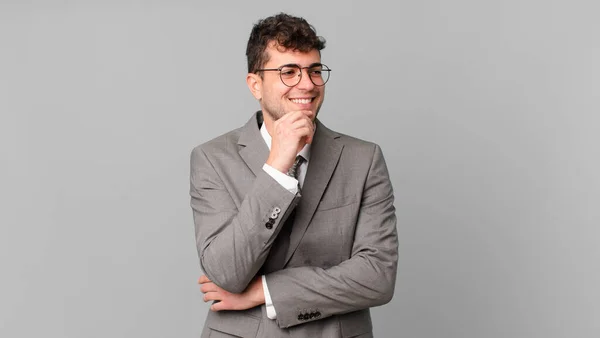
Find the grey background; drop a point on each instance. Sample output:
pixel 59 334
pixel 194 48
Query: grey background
pixel 487 113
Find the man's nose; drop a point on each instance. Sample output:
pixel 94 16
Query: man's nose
pixel 305 81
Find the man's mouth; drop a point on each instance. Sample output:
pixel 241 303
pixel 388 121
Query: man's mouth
pixel 302 101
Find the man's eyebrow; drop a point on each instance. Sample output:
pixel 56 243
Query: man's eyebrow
pixel 314 64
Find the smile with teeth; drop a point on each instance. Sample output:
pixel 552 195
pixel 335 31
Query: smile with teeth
pixel 301 101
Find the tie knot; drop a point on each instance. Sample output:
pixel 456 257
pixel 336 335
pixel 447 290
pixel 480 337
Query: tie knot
pixel 293 171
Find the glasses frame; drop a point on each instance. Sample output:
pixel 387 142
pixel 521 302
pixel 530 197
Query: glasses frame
pixel 326 69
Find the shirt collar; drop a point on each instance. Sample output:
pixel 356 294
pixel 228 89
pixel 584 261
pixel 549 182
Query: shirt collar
pixel 305 152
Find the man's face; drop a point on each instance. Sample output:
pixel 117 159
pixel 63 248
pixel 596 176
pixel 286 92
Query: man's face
pixel 277 99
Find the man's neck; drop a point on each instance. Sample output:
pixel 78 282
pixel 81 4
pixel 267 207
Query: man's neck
pixel 268 121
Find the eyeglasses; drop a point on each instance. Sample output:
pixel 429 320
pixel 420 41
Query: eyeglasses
pixel 291 74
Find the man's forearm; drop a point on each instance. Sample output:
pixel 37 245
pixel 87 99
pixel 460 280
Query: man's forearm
pixel 234 243
pixel 224 300
pixel 366 279
pixel 358 283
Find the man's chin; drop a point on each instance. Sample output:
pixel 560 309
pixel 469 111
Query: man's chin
pixel 277 116
pixel 312 115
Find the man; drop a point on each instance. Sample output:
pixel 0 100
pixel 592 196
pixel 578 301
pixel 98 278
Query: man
pixel 295 223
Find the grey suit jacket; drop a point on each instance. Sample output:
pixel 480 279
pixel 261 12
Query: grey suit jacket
pixel 342 256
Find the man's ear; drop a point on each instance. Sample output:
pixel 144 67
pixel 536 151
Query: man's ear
pixel 255 85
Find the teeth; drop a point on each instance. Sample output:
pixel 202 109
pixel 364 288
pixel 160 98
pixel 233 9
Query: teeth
pixel 302 101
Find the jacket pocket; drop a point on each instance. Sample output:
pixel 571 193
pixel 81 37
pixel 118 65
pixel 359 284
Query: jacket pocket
pixel 233 323
pixel 334 203
pixel 357 323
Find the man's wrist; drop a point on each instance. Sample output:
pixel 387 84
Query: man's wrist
pixel 257 291
pixel 287 182
pixel 271 313
pixel 277 165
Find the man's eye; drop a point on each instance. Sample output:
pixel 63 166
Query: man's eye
pixel 288 72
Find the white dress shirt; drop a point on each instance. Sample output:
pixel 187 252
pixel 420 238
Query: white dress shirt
pixel 289 183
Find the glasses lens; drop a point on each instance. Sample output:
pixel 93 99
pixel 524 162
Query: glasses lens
pixel 319 74
pixel 290 75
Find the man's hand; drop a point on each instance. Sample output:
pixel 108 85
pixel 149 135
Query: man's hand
pixel 289 135
pixel 251 297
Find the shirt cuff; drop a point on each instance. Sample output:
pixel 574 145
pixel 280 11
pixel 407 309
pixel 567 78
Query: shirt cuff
pixel 288 182
pixel 271 314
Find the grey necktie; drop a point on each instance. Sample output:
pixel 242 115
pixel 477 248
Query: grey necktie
pixel 293 171
pixel 276 258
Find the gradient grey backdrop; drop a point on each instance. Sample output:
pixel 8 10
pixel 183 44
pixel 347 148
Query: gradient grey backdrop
pixel 487 113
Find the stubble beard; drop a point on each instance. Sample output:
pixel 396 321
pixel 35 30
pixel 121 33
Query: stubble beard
pixel 280 112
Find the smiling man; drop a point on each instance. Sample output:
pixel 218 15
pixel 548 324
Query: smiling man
pixel 295 223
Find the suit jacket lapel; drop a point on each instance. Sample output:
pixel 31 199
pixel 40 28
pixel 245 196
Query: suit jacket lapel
pixel 324 155
pixel 254 151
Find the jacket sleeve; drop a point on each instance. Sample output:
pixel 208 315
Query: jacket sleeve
pixel 366 279
pixel 233 241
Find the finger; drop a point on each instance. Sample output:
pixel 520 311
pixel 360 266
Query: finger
pixel 296 121
pixel 209 287
pixel 203 279
pixel 286 117
pixel 304 115
pixel 309 138
pixel 303 131
pixel 218 306
pixel 291 117
pixel 303 122
pixel 212 296
pixel 309 114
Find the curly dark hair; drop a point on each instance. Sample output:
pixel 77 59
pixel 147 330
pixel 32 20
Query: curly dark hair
pixel 288 32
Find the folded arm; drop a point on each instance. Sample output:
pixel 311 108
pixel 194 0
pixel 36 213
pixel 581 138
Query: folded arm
pixel 234 241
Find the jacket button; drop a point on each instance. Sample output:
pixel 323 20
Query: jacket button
pixel 306 316
pixel 318 314
pixel 269 226
pixel 300 317
pixel 276 210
